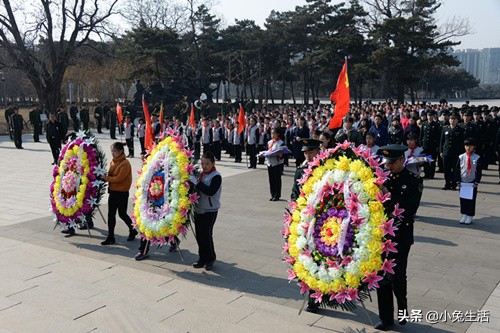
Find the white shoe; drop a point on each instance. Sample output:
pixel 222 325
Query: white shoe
pixel 462 220
pixel 468 220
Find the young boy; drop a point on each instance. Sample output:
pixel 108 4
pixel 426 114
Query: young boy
pixel 468 171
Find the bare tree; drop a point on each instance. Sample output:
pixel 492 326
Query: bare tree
pixel 156 14
pixel 42 37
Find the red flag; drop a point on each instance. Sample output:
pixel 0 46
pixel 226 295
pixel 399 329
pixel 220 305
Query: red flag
pixel 191 117
pixel 161 118
pixel 148 137
pixel 241 120
pixel 119 113
pixel 341 98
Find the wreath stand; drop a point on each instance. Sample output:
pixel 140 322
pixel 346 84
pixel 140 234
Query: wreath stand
pixel 306 296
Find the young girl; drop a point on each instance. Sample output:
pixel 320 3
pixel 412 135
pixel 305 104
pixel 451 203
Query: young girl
pixel 275 165
pixel 468 171
pixel 413 150
pixel 209 186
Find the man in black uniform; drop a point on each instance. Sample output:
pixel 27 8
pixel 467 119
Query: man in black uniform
pixel 451 146
pixel 430 136
pixel 17 125
pixel 85 117
pixel 73 112
pixel 112 123
pixel 54 133
pixel 406 190
pixel 34 116
pixel 98 114
pixel 310 148
pixel 9 111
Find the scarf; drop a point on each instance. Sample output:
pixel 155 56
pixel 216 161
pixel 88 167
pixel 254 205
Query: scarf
pixel 469 165
pixel 207 173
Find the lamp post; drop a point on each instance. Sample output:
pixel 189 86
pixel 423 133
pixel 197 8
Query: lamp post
pixel 4 94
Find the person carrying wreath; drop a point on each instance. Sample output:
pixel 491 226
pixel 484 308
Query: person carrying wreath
pixel 406 191
pixel 209 188
pixel 120 179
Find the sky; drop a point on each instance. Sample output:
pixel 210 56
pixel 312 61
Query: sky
pixel 483 16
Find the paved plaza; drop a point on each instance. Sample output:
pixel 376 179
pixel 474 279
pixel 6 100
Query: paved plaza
pixel 49 283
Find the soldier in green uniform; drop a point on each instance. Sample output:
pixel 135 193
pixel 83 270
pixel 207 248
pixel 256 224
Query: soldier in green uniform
pixel 451 146
pixel 406 190
pixel 430 136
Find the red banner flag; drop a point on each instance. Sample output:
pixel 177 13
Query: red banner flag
pixel 241 120
pixel 119 113
pixel 341 98
pixel 191 117
pixel 148 137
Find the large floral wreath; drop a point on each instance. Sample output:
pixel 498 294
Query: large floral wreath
pixel 78 183
pixel 337 232
pixel 162 201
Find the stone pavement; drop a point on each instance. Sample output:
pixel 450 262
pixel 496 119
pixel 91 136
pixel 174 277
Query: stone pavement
pixel 49 283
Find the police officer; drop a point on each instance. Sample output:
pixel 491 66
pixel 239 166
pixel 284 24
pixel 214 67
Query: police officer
pixel 430 136
pixel 406 190
pixel 451 146
pixel 310 148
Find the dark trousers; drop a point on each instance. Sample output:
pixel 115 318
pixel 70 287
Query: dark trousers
pixel 237 153
pixel 449 165
pixel 261 149
pixel 112 131
pixel 230 149
pixel 99 125
pixel 85 125
pixel 76 125
pixel 430 168
pixel 143 149
pixel 204 226
pixel 130 145
pixel 197 150
pixel 216 149
pixel 55 147
pixel 117 201
pixel 468 207
pixel 18 138
pixel 252 153
pixel 396 284
pixel 37 130
pixel 274 173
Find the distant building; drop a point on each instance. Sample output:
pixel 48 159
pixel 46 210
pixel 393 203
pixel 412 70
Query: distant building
pixel 483 64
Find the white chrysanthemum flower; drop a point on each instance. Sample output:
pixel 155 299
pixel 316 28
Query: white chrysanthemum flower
pixel 301 242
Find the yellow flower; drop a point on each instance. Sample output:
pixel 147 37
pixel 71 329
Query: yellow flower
pixel 355 166
pixel 337 284
pixel 352 280
pixel 377 233
pixel 329 164
pixel 376 206
pixel 371 188
pixel 296 216
pixel 318 172
pixel 365 173
pixel 293 229
pixel 374 246
pixel 294 251
pixel 343 163
pixel 301 201
pixel 292 239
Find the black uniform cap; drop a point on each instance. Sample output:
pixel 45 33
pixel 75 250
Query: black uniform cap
pixel 310 144
pixel 391 153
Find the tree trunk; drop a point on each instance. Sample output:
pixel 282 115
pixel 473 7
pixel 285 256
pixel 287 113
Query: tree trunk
pixel 293 92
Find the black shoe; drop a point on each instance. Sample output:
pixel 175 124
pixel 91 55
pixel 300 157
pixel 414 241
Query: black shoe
pixel 198 264
pixel 140 256
pixel 108 241
pixel 131 235
pixel 313 308
pixel 454 188
pixel 275 199
pixel 209 265
pixel 446 188
pixel 383 326
pixel 272 199
pixel 69 232
pixel 85 226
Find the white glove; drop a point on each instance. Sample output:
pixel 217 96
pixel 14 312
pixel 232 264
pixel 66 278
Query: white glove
pixel 193 179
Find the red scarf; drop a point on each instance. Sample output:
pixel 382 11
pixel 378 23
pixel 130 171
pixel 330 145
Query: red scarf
pixel 412 150
pixel 207 173
pixel 469 165
pixel 271 145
